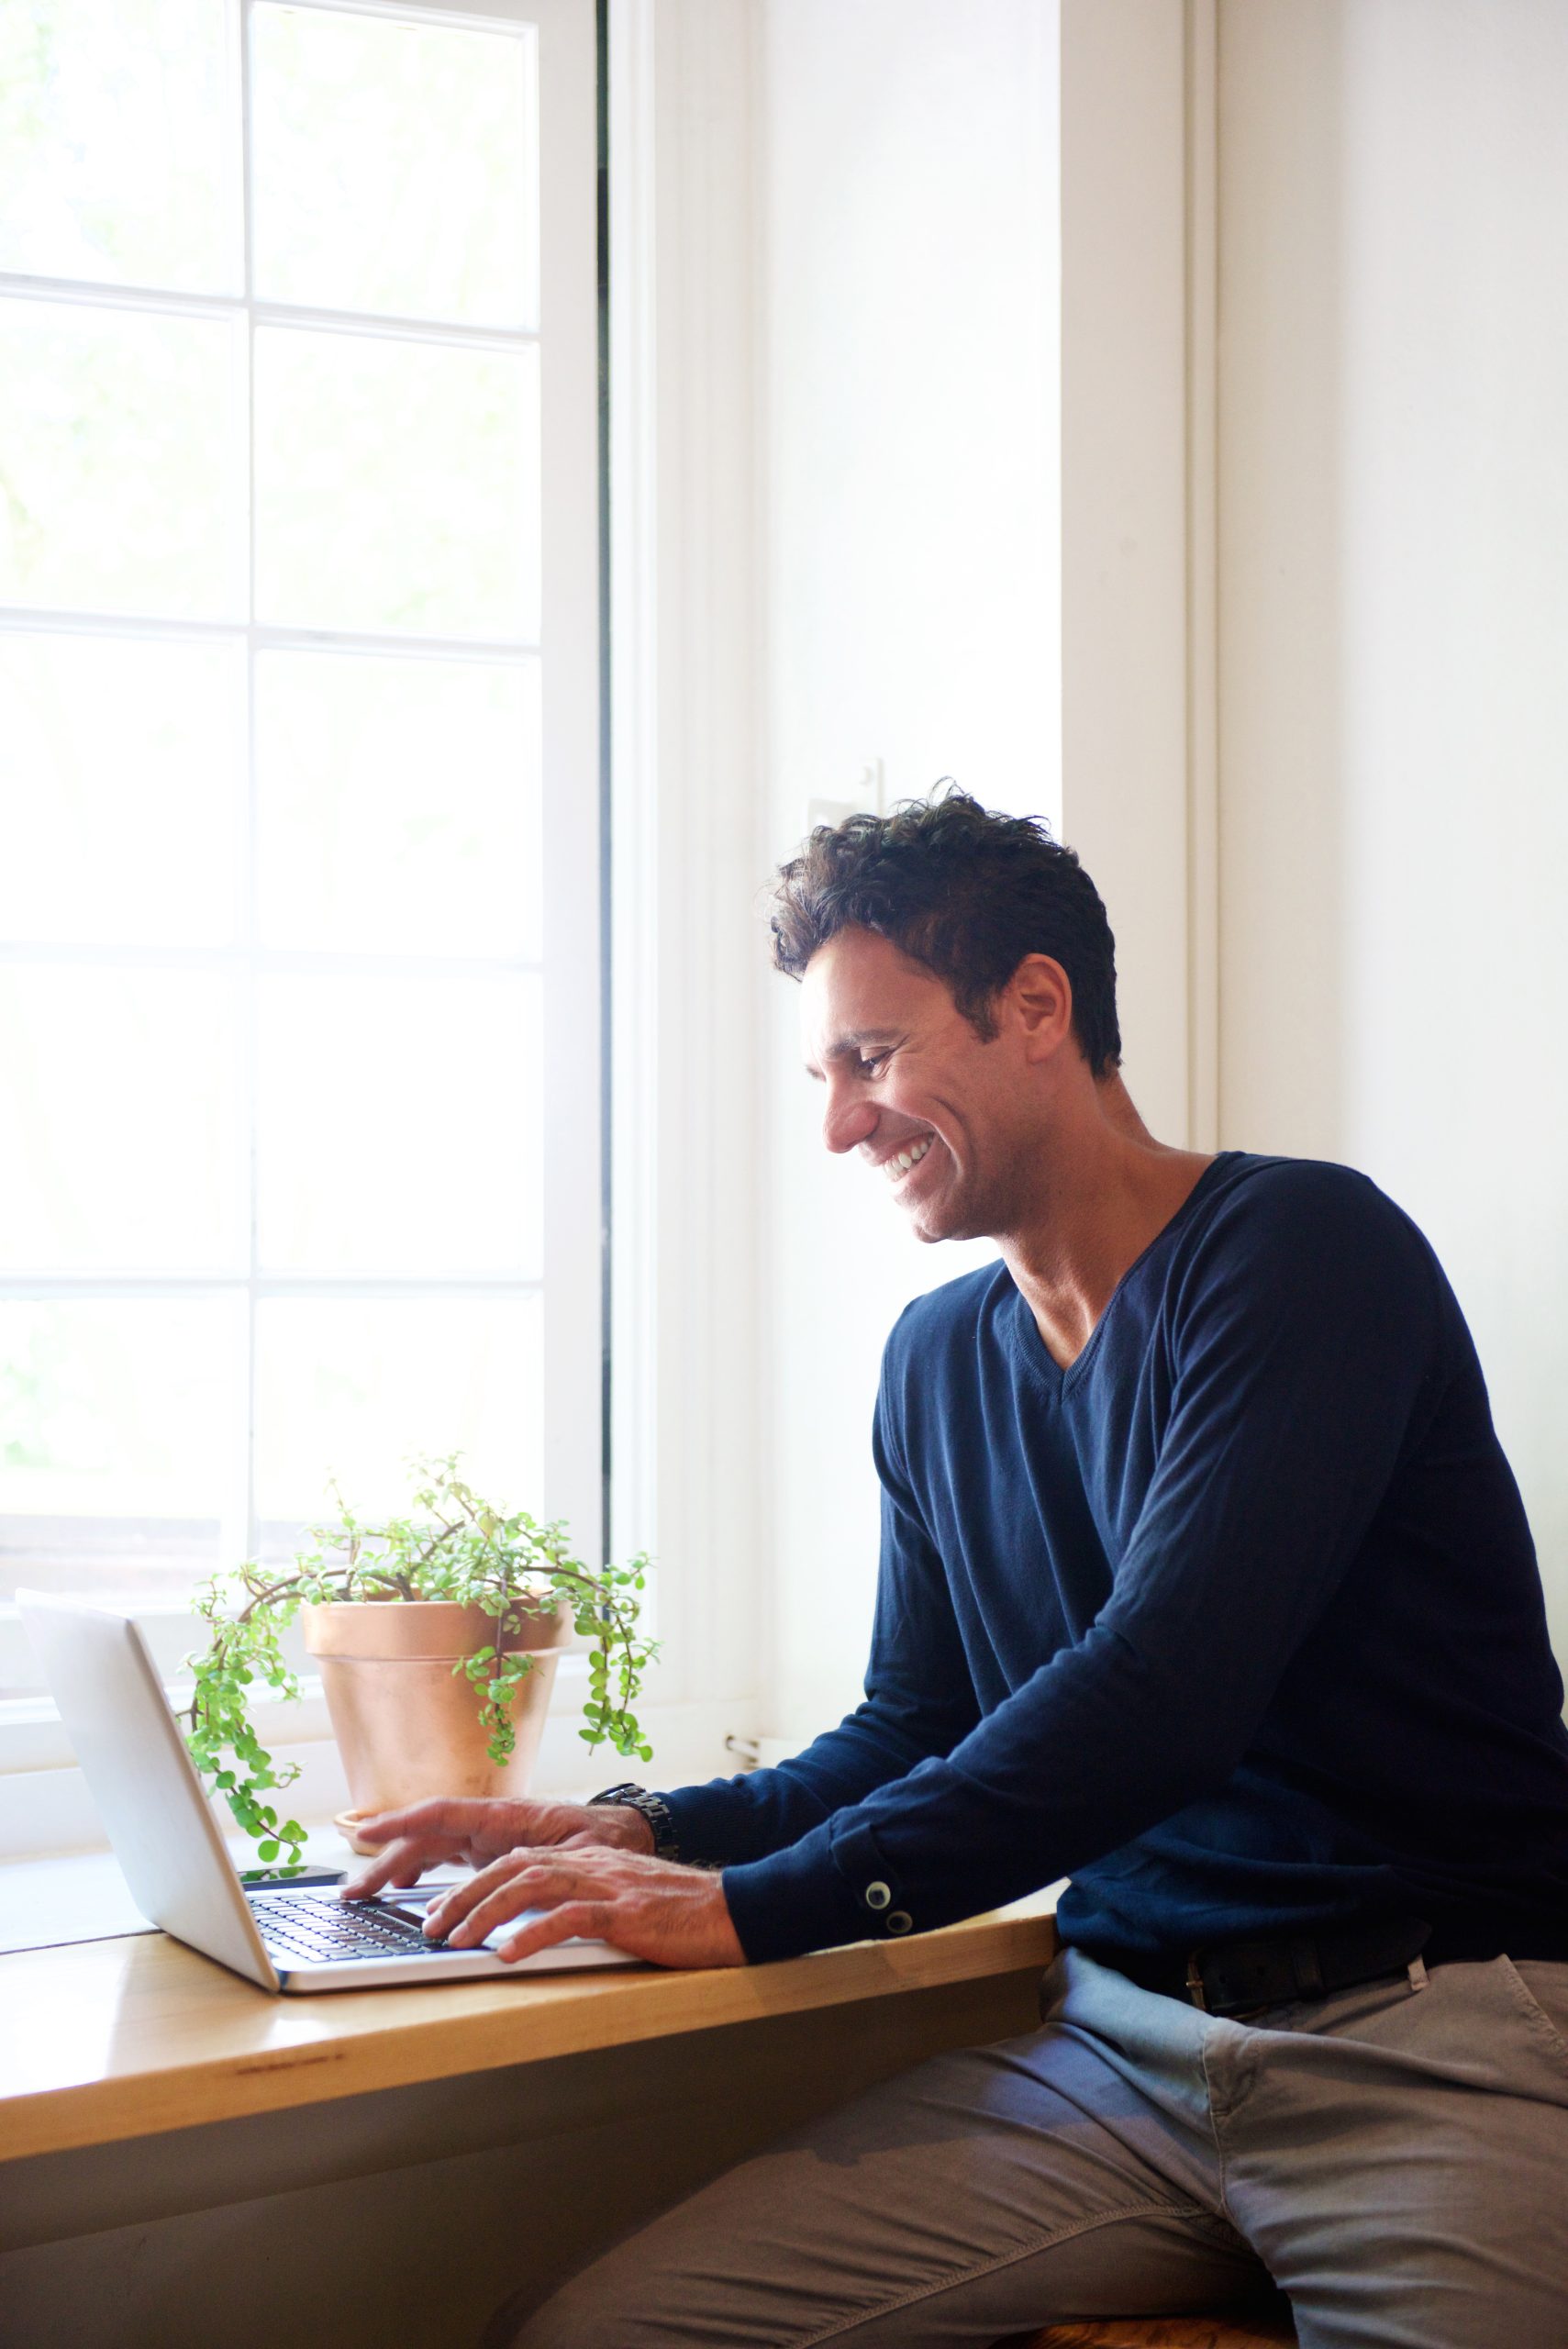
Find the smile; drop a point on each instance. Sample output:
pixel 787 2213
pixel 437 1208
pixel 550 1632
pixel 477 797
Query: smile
pixel 903 1159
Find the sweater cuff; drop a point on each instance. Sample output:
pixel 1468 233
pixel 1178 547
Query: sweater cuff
pixel 792 1901
pixel 710 1821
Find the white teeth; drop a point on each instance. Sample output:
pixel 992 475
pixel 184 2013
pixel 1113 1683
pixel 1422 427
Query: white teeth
pixel 902 1160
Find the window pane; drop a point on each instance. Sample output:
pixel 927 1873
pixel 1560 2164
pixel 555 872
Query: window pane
pixel 393 167
pixel 123 1121
pixel 398 805
pixel 351 1387
pixel 123 793
pixel 399 1125
pixel 116 1413
pixel 118 137
pixel 119 477
pixel 396 485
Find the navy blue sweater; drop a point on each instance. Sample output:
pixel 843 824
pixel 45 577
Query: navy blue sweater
pixel 1236 1621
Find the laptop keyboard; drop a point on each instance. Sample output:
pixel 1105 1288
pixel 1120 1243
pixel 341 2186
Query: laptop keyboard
pixel 323 1930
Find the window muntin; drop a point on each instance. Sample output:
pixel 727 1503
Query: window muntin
pixel 283 1205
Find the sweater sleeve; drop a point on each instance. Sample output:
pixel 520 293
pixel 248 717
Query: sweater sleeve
pixel 920 1701
pixel 1303 1344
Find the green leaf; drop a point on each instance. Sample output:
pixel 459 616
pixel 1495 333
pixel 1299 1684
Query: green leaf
pixel 451 1545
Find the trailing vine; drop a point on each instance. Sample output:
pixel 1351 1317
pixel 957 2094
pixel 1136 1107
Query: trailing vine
pixel 455 1546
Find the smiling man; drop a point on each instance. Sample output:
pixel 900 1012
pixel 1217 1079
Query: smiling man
pixel 1204 1581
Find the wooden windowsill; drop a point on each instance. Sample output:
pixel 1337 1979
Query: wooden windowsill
pixel 111 2040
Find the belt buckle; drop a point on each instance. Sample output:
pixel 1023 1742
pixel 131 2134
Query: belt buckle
pixel 1194 1984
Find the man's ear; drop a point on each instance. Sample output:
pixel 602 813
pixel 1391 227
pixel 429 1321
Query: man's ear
pixel 1039 995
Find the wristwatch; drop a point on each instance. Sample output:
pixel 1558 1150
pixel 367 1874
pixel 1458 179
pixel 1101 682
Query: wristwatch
pixel 653 1809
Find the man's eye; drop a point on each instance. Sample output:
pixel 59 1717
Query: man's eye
pixel 872 1063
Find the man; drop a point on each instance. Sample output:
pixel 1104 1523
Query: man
pixel 1204 1581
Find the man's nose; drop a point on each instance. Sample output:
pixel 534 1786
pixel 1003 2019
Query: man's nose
pixel 846 1123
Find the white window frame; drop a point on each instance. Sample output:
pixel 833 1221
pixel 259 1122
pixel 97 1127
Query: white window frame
pixel 690 985
pixel 32 1745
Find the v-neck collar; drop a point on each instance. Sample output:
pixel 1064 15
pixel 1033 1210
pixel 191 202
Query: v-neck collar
pixel 1035 1358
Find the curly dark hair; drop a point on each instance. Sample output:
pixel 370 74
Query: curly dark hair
pixel 967 892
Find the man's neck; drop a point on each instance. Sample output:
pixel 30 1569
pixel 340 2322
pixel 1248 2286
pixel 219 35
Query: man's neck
pixel 1114 1189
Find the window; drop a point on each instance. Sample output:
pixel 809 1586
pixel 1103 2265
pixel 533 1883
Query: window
pixel 299 1026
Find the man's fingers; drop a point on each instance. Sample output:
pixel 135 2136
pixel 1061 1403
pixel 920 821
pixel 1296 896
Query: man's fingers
pixel 431 1835
pixel 462 1900
pixel 459 1899
pixel 383 1869
pixel 593 1919
pixel 402 1863
pixel 423 1835
pixel 439 1816
pixel 471 1910
pixel 648 1907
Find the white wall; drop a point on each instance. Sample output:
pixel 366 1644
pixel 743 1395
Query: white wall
pixel 908 283
pixel 1362 575
pixel 1394 643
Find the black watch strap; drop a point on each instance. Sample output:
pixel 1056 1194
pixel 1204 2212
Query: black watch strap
pixel 653 1809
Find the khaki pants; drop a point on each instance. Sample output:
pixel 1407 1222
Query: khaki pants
pixel 1393 2157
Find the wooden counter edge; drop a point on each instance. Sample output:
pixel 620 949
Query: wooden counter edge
pixel 523 2026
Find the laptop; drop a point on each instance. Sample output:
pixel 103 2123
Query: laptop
pixel 139 1771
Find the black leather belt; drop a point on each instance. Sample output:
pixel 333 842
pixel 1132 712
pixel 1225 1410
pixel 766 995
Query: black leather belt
pixel 1233 1975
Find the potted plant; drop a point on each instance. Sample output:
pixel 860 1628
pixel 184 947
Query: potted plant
pixel 437 1636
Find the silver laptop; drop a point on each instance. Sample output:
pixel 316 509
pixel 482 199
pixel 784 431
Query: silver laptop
pixel 175 1861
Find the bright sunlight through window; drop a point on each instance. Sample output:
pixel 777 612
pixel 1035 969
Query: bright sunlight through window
pixel 273 1187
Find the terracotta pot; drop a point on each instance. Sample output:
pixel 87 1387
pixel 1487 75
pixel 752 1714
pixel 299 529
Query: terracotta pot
pixel 406 1724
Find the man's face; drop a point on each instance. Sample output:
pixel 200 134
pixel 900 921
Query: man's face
pixel 951 1120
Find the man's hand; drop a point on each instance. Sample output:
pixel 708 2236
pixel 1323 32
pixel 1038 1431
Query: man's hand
pixel 652 1909
pixel 591 1867
pixel 480 1828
